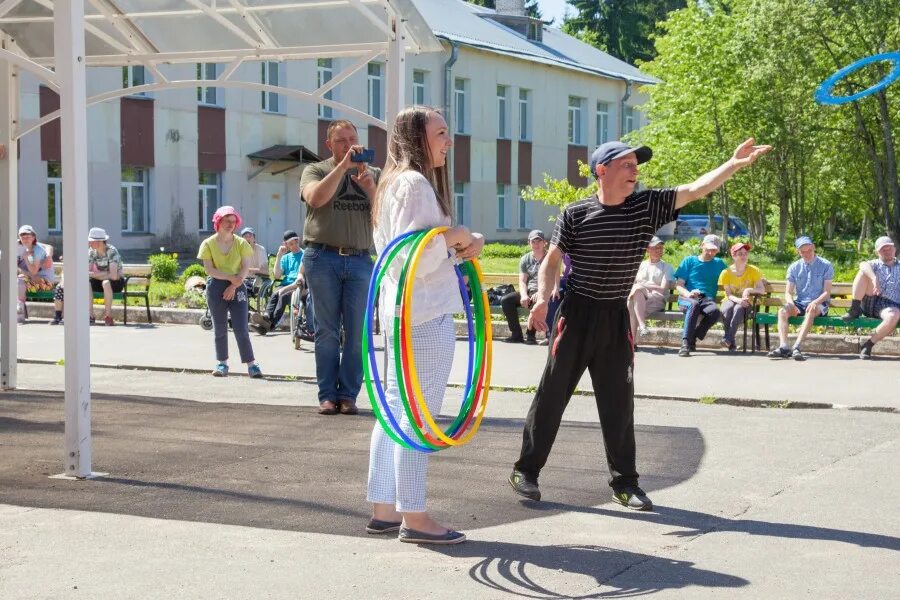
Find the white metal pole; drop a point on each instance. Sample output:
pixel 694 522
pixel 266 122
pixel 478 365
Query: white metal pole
pixel 68 40
pixel 396 72
pixel 9 197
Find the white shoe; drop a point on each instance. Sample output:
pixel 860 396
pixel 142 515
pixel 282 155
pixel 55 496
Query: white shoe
pixel 642 330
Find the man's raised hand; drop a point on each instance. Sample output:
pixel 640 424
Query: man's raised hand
pixel 747 153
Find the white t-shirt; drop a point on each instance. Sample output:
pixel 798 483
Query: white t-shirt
pixel 655 273
pixel 260 260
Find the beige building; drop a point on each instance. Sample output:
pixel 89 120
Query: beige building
pixel 523 99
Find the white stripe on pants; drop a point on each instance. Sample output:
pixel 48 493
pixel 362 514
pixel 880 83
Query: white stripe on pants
pixel 397 475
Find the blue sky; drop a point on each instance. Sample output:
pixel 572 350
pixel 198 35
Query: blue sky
pixel 553 9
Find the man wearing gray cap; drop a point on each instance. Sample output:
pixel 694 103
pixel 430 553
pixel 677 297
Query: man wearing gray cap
pixel 876 293
pixel 605 236
pixel 528 285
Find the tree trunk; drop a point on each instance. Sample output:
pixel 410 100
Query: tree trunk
pixel 863 234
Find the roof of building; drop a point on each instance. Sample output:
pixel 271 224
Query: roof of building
pixel 462 22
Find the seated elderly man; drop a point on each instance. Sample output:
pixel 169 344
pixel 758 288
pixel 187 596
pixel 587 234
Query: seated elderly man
pixel 529 265
pixel 807 294
pixel 697 281
pixel 876 293
pixel 651 288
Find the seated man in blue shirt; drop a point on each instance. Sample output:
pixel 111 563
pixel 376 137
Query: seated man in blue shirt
pixel 876 293
pixel 287 267
pixel 807 294
pixel 697 281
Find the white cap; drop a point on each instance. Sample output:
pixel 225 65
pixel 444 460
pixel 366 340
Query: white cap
pixel 97 234
pixel 711 241
pixel 655 241
pixel 883 241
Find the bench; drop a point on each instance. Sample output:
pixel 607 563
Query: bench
pixel 137 285
pixel 841 297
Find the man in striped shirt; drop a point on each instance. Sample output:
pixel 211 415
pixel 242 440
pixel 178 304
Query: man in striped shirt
pixel 606 237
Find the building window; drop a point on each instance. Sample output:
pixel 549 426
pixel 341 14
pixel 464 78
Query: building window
pixel 376 90
pixel 524 115
pixel 575 121
pixel 208 95
pixel 523 211
pixel 419 88
pixel 54 196
pixel 459 94
pixel 134 199
pixel 324 73
pixel 209 197
pixel 502 112
pixel 271 75
pixel 629 124
pixel 133 76
pixel 501 206
pixel 602 123
pixel 459 203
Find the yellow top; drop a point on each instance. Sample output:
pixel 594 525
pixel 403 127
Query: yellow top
pixel 227 263
pixel 734 284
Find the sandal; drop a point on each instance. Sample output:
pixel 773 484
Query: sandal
pixel 108 320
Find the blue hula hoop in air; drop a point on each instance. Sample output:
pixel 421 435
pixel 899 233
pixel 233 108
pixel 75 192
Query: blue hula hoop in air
pixel 823 94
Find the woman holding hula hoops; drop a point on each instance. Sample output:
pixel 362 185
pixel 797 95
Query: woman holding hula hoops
pixel 227 257
pixel 414 194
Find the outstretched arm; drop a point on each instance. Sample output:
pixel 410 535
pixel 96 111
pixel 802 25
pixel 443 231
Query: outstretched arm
pixel 745 155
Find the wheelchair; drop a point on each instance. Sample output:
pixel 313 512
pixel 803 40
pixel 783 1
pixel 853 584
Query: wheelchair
pixel 301 315
pixel 259 290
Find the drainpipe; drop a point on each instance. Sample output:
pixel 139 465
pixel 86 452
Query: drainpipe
pixel 448 80
pixel 625 98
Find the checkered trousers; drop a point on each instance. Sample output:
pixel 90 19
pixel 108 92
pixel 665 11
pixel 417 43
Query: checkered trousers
pixel 397 475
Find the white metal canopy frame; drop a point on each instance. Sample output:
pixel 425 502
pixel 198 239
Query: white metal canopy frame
pixel 55 40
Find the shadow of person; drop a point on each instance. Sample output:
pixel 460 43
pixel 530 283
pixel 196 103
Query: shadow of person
pixel 693 524
pixel 546 572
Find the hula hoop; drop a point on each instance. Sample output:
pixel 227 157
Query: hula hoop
pixel 823 93
pixel 479 356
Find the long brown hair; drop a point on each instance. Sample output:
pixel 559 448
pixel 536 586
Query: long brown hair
pixel 408 150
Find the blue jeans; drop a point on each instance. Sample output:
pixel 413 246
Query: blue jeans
pixel 339 285
pixel 220 310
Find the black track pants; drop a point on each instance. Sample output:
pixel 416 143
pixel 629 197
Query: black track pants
pixel 593 335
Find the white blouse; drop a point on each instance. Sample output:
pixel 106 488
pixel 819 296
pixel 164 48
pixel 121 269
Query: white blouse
pixel 409 204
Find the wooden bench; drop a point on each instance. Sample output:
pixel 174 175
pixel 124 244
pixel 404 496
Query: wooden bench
pixel 767 306
pixel 137 285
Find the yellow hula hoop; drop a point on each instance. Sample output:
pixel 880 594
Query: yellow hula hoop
pixel 413 375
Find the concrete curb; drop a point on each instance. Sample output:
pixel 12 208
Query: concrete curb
pixel 722 401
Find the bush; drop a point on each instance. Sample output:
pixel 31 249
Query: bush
pixel 190 271
pixel 498 250
pixel 163 267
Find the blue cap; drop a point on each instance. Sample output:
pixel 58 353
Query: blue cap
pixel 612 150
pixel 802 241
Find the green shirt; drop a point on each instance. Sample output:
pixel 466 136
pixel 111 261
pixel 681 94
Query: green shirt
pixel 345 221
pixel 230 263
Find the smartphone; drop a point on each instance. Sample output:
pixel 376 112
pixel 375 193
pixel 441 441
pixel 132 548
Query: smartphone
pixel 367 155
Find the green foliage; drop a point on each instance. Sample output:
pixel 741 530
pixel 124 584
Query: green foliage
pixel 498 250
pixel 559 192
pixel 163 267
pixel 192 270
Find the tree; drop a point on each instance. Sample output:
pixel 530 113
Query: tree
pixel 531 6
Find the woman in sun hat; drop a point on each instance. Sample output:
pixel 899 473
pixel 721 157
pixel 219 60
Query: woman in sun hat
pixel 35 266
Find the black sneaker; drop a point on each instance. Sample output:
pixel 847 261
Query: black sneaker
pixel 866 352
pixel 634 498
pixel 853 313
pixel 779 353
pixel 797 355
pixel 685 349
pixel 514 339
pixel 524 485
pixel 531 340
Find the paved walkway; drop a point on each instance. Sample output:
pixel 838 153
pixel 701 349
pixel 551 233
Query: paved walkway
pixel 842 381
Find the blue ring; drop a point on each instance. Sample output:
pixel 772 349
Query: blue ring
pixel 823 93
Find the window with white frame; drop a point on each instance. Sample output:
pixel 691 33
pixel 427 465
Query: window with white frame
pixel 209 197
pixel 208 95
pixel 523 210
pixel 54 196
pixel 461 124
pixel 271 75
pixel 629 124
pixel 376 90
pixel 324 73
pixel 576 109
pixel 501 206
pixel 133 76
pixel 524 115
pixel 135 200
pixel 602 123
pixel 419 88
pixel 459 203
pixel 502 112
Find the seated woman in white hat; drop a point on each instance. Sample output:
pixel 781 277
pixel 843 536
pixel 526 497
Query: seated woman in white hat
pixel 105 268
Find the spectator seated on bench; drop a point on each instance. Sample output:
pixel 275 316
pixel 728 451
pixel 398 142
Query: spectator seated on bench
pixel 106 274
pixel 739 281
pixel 807 294
pixel 651 288
pixel 35 266
pixel 876 293
pixel 529 265
pixel 697 281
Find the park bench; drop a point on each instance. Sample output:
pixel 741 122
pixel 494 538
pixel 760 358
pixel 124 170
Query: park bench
pixel 137 285
pixel 767 306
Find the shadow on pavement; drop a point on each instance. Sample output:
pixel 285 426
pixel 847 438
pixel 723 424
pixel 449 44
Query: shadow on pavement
pixel 287 468
pixel 534 571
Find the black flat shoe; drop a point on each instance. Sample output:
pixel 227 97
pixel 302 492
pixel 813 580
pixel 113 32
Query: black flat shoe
pixel 411 536
pixel 377 526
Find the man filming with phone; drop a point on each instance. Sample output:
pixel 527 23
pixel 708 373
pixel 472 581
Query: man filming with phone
pixel 338 234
